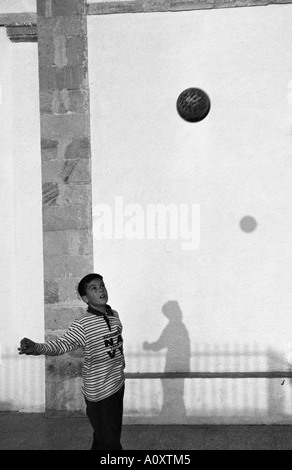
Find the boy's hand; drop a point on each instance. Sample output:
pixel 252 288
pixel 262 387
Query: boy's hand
pixel 146 346
pixel 27 346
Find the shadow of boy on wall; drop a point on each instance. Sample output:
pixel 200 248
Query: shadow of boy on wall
pixel 175 339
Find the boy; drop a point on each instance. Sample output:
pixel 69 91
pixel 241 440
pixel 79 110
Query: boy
pixel 99 333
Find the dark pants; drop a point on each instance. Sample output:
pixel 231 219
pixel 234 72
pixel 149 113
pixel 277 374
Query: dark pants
pixel 106 417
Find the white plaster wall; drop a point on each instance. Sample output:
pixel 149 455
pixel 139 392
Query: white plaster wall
pixel 234 290
pixel 22 384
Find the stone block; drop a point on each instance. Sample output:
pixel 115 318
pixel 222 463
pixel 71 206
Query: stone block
pixel 64 101
pixel 85 243
pixel 79 193
pixel 76 171
pixel 47 80
pixel 49 144
pixel 67 101
pixel 68 242
pixel 79 101
pixel 49 149
pixel 51 292
pixel 74 25
pixel 50 193
pixel 68 289
pixel 64 396
pixel 46 101
pixel 124 6
pixel 69 25
pixel 63 366
pixel 63 382
pixel 46 51
pixel 78 148
pixel 70 77
pixel 67 171
pixel 67 217
pixel 184 5
pixel 55 193
pixel 69 125
pixel 76 50
pixel 49 154
pixel 60 317
pixel 62 266
pixel 50 8
pixel 50 28
pixel 60 102
pixel 240 3
pixel 60 55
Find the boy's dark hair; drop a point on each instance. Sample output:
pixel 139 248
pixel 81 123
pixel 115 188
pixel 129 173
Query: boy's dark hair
pixel 85 281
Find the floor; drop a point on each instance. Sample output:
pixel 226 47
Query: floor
pixel 33 431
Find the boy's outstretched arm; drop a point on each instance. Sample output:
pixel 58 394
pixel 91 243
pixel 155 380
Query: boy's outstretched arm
pixel 161 343
pixel 73 339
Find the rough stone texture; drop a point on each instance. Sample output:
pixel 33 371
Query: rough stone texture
pixel 64 126
pixel 69 242
pixel 67 171
pixel 49 147
pixel 65 367
pixel 50 193
pixel 75 47
pixel 139 6
pixel 23 33
pixel 55 8
pixel 68 77
pixel 18 19
pixel 77 193
pixel 66 179
pixel 60 194
pixel 67 266
pixel 69 217
pixel 64 101
pixel 78 148
pixel 61 317
pixel 51 290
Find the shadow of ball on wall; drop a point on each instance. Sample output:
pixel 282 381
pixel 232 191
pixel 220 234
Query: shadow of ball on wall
pixel 193 105
pixel 248 224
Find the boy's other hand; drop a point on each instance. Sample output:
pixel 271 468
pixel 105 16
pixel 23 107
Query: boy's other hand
pixel 27 346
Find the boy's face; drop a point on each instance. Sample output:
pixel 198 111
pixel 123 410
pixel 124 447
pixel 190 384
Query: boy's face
pixel 96 294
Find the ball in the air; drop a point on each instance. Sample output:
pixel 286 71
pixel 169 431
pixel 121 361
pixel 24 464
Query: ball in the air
pixel 193 105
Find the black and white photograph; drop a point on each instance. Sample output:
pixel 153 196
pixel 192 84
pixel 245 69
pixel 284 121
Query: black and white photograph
pixel 146 228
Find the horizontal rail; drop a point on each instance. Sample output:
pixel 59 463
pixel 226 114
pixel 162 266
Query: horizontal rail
pixel 210 375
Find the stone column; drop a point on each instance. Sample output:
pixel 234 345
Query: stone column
pixel 66 180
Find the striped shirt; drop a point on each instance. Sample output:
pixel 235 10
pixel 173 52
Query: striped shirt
pixel 100 337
